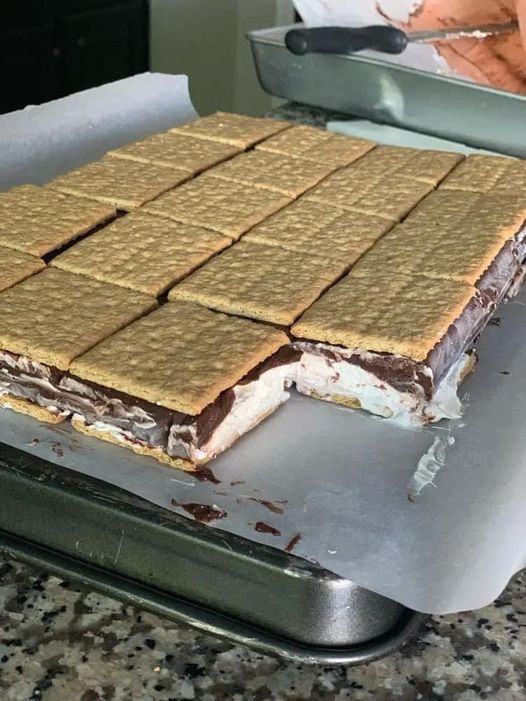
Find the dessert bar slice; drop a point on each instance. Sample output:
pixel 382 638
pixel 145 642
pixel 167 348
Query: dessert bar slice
pixel 235 129
pixel 142 252
pixel 317 145
pixel 488 174
pixel 123 183
pixel 36 220
pixel 181 384
pixel 220 205
pixel 260 282
pixel 176 150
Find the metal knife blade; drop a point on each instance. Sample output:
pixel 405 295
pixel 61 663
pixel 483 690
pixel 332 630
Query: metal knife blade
pixel 450 34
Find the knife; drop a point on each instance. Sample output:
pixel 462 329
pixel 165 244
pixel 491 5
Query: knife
pixel 383 38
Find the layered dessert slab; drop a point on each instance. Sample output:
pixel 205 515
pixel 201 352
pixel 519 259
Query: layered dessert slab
pixel 317 145
pixel 271 171
pixel 308 226
pixel 262 282
pixel 142 252
pixel 16 266
pixel 487 174
pixel 396 336
pixel 177 150
pixel 180 385
pixel 223 206
pixel 234 129
pixel 46 322
pixel 37 221
pixel 121 182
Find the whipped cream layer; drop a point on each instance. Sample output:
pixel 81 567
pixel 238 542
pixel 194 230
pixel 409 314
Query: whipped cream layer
pixel 139 423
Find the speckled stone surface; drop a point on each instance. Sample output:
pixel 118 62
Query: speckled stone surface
pixel 59 642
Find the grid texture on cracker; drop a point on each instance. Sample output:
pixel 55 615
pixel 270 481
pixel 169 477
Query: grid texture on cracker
pixel 16 266
pixel 177 151
pixel 439 244
pixel 272 171
pixel 181 356
pixel 487 173
pixel 262 282
pixel 236 129
pixel 55 316
pixel 386 313
pixel 388 198
pixel 123 183
pixel 142 252
pixel 415 164
pixel 36 220
pixel 220 205
pixel 310 227
pixel 317 145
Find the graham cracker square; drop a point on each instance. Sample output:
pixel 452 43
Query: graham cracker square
pixel 387 312
pixel 309 226
pixel 484 173
pixel 55 316
pixel 235 129
pixel 272 171
pixel 261 282
pixel 142 252
pixel 375 195
pixel 123 183
pixel 37 221
pixel 16 266
pixel 181 356
pixel 459 249
pixel 176 150
pixel 220 205
pixel 416 164
pixel 317 145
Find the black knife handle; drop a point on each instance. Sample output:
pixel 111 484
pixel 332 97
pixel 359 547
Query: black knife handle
pixel 346 40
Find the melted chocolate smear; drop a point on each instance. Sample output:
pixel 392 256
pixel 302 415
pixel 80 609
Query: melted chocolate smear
pixel 35 441
pixel 495 321
pixel 270 505
pixel 292 543
pixel 262 527
pixel 233 484
pixel 205 474
pixel 204 513
pixel 57 449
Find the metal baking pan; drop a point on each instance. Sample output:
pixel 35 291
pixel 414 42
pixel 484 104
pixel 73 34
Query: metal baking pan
pixel 373 89
pixel 84 529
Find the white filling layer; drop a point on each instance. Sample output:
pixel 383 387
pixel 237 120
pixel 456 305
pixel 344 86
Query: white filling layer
pixel 328 379
pixel 254 401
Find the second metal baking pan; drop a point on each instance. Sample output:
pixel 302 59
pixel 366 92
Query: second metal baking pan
pixel 383 92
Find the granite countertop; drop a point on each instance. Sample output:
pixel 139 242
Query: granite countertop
pixel 62 642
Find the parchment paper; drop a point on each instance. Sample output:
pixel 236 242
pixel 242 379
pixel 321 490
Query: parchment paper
pixel 340 476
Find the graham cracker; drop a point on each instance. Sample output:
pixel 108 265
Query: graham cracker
pixel 272 171
pixel 236 129
pixel 176 150
pixel 379 196
pixel 36 220
pixel 142 252
pixel 416 164
pixel 123 183
pixel 261 282
pixel 386 313
pixel 317 145
pixel 24 406
pixel 443 246
pixel 482 173
pixel 309 226
pixel 55 316
pixel 16 266
pixel 181 356
pixel 226 207
pixel 156 453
